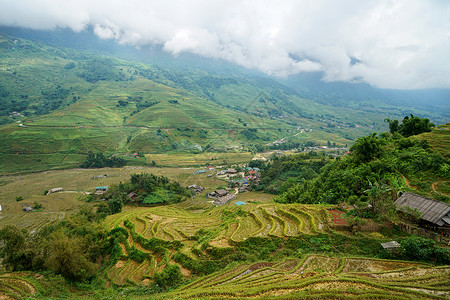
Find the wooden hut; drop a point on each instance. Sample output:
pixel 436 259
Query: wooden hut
pixel 434 213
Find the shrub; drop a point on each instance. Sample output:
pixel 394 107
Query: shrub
pixel 169 277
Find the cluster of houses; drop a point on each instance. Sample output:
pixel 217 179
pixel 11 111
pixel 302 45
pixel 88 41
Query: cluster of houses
pixel 250 176
pixel 16 114
pixel 239 181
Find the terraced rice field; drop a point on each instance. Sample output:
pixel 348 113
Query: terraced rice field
pixel 191 224
pixel 322 277
pixel 17 286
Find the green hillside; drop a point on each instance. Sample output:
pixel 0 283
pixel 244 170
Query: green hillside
pixel 58 104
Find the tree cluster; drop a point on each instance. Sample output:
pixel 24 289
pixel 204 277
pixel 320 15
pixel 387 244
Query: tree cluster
pixel 100 69
pixel 149 189
pixel 371 174
pixel 287 171
pixel 70 247
pixel 99 160
pixel 411 125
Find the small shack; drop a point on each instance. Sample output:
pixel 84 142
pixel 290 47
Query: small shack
pixel 239 203
pixel 99 176
pixel 101 189
pixel 433 213
pixel 27 208
pixel 391 246
pixel 54 190
pixel 132 196
pixel 0 208
pixel 231 171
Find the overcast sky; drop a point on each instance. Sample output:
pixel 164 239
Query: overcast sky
pixel 401 44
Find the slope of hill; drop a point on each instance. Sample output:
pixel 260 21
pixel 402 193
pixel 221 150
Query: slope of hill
pixel 62 103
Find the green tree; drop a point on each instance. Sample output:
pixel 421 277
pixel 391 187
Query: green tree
pixel 66 257
pixel 379 195
pixel 414 125
pixel 16 251
pixel 366 148
pixel 115 205
pixel 393 125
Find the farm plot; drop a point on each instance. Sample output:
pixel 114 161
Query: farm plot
pixel 314 277
pixel 158 236
pixel 280 220
pixel 16 286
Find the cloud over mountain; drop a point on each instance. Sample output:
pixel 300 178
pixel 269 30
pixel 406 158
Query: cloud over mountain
pixel 389 44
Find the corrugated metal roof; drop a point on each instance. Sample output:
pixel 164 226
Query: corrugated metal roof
pixel 390 245
pixel 432 210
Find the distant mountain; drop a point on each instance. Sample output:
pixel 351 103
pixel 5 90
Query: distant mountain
pixel 344 94
pixel 433 103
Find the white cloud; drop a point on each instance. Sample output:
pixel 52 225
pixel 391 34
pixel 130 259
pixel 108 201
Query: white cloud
pixel 397 44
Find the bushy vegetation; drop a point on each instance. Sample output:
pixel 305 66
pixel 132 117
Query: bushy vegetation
pixel 285 172
pixel 99 160
pixel 169 277
pixel 149 189
pixel 100 69
pixel 373 173
pixel 70 247
pixel 420 249
pixel 411 125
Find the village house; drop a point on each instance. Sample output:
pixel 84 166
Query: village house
pixel 54 190
pixel 196 188
pixel 218 193
pixel 434 214
pixel 132 196
pixel 231 171
pixel 252 172
pixel 100 189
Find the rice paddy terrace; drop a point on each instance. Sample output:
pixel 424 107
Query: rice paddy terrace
pixel 17 286
pixel 322 277
pixel 190 235
pixel 189 225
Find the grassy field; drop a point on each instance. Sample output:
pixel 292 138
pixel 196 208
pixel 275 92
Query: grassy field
pixel 200 159
pixel 75 183
pixel 439 139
